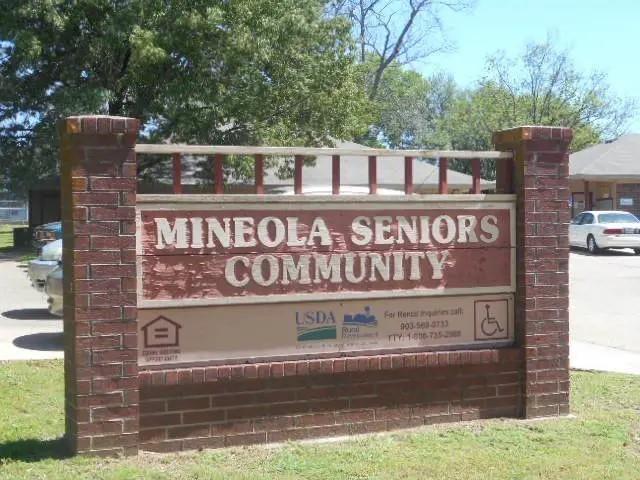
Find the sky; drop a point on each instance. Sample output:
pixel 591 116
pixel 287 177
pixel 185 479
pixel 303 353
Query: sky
pixel 602 35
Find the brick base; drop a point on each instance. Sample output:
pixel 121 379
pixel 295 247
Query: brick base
pixel 242 411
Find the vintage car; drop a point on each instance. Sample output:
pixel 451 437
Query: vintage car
pixel 53 288
pixel 50 257
pixel 46 233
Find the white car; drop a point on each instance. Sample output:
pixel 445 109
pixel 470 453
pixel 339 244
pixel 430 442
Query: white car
pixel 47 261
pixel 597 230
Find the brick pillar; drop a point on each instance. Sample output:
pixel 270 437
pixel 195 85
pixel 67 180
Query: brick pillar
pixel 99 262
pixel 540 180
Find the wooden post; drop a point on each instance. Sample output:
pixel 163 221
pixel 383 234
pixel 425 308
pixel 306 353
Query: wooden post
pixel 442 176
pixel 475 171
pixel 335 174
pixel 373 175
pixel 259 173
pixel 177 173
pixel 297 174
pixel 408 175
pixel 587 196
pixel 219 174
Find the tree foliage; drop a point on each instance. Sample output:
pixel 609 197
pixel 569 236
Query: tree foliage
pixel 539 87
pixel 198 71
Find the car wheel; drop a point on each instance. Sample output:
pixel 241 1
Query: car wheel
pixel 637 250
pixel 592 246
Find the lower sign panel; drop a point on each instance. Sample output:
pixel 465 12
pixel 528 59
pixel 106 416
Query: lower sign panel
pixel 285 331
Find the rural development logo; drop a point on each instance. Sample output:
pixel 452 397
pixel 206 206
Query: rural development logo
pixel 315 325
pixel 360 325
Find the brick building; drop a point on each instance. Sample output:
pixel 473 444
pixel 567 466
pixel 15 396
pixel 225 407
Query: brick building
pixel 606 176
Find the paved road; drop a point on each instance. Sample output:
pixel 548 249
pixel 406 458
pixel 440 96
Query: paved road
pixel 604 303
pixel 27 331
pixel 604 299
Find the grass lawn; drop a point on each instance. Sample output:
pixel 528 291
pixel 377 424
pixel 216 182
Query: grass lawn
pixel 602 442
pixel 6 237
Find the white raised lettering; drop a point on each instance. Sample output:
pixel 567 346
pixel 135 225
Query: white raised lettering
pixel 230 271
pixel 361 227
pixel 243 232
pixel 467 229
pixel 263 231
pixel 222 235
pixel 489 225
pixel 167 236
pixel 436 229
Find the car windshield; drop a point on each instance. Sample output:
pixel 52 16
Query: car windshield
pixel 617 218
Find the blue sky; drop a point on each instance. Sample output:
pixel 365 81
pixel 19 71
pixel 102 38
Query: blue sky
pixel 599 34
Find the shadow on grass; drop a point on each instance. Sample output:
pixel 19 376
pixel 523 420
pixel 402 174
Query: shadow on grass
pixel 33 450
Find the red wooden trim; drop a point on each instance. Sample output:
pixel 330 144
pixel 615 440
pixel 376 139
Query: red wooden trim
pixel 442 178
pixel 297 174
pixel 475 171
pixel 177 173
pixel 335 174
pixel 408 175
pixel 219 174
pixel 507 169
pixel 259 173
pixel 373 175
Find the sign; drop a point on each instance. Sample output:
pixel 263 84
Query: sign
pixel 626 202
pixel 339 275
pixel 287 331
pixel 290 250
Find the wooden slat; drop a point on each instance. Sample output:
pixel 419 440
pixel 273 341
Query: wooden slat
pixel 408 175
pixel 443 164
pixel 335 174
pixel 475 173
pixel 504 175
pixel 305 151
pixel 177 172
pixel 297 174
pixel 259 173
pixel 373 175
pixel 219 174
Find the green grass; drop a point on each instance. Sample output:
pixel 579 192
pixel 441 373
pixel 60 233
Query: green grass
pixel 602 442
pixel 6 237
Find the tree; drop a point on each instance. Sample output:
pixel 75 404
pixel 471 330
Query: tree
pixel 395 32
pixel 409 109
pixel 197 71
pixel 541 87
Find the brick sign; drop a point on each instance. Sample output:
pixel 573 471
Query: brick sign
pixel 357 275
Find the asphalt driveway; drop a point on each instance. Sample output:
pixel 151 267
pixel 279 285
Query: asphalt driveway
pixel 27 330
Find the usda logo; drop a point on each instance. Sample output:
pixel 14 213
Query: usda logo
pixel 315 325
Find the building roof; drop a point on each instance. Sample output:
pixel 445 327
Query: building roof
pixel 616 160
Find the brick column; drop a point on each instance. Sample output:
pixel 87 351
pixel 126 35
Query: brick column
pixel 99 262
pixel 539 175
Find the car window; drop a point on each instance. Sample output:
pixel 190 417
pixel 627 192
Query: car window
pixel 576 220
pixel 587 219
pixel 617 218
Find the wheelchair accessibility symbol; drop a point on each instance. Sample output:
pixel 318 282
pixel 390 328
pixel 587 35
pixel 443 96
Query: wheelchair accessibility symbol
pixel 489 325
pixel 491 319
